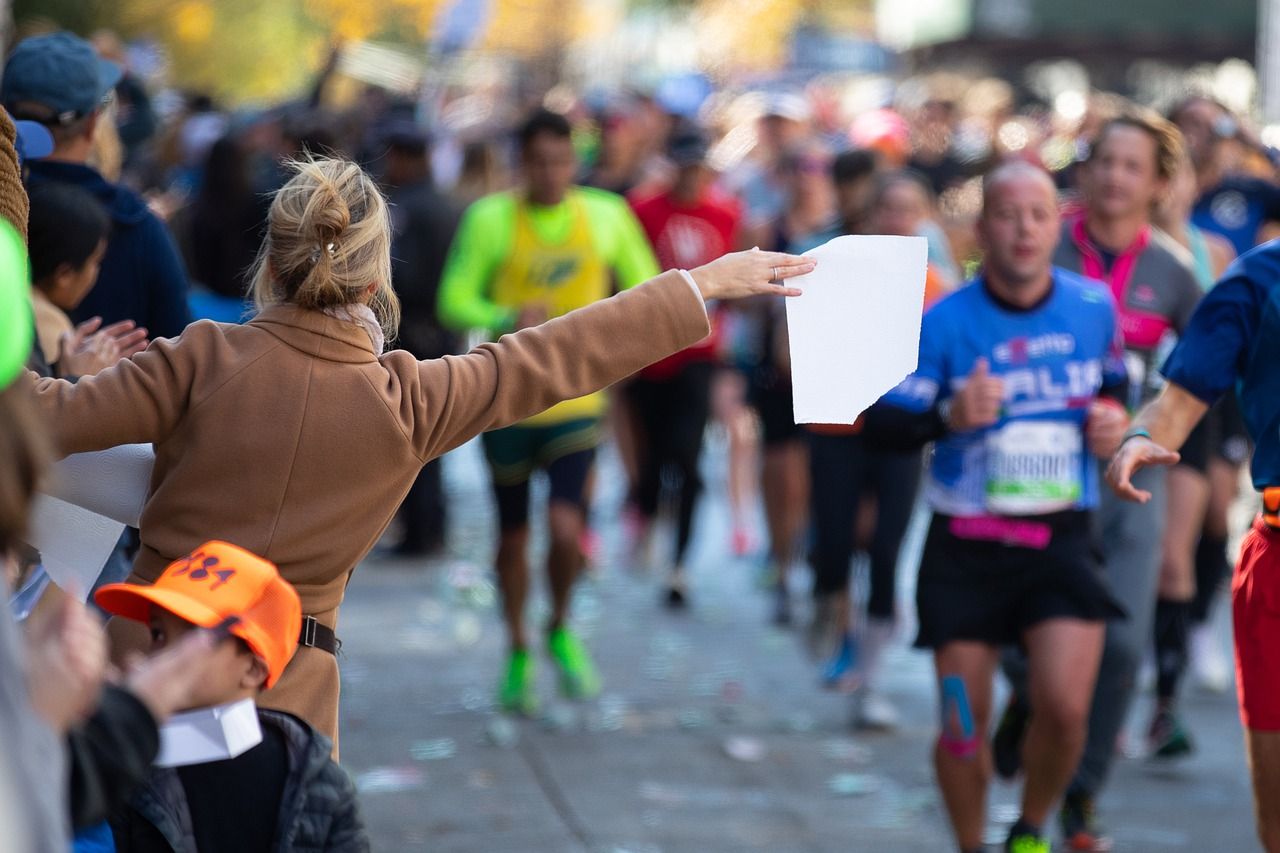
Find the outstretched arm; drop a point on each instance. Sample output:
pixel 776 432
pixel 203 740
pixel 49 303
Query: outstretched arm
pixel 500 383
pixel 1164 423
pixel 140 399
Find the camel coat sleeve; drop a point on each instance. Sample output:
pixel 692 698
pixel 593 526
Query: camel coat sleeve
pixel 136 400
pixel 522 374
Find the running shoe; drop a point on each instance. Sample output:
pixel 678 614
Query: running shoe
pixel 590 546
pixel 823 638
pixel 742 541
pixel 873 711
pixel 781 604
pixel 578 678
pixel 1026 844
pixel 838 672
pixel 1006 744
pixel 1167 739
pixel 1080 832
pixel 517 693
pixel 1209 662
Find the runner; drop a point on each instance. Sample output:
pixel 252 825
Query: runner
pixel 852 479
pixel 688 224
pixel 1189 495
pixel 1112 241
pixel 809 219
pixel 1232 342
pixel 1232 204
pixel 521 258
pixel 1011 371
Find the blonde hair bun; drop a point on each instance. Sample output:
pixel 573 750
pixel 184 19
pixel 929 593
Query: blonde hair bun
pixel 328 240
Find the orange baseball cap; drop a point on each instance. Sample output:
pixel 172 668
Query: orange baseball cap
pixel 213 582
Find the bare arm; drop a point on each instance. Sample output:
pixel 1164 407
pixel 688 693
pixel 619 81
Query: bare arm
pixel 1168 419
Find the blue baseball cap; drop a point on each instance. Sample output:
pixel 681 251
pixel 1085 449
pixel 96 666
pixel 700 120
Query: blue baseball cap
pixel 59 71
pixel 33 141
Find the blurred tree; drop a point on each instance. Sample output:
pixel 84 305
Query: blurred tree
pixel 236 50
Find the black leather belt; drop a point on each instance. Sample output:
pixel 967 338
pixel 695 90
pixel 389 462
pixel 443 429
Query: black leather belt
pixel 314 635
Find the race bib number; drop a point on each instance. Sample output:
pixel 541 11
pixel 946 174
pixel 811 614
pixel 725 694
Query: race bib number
pixel 1034 467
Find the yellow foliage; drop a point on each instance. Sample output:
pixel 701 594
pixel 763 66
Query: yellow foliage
pixel 752 34
pixel 193 21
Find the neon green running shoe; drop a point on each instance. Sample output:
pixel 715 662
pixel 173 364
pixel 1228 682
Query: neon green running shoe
pixel 578 677
pixel 1027 844
pixel 518 693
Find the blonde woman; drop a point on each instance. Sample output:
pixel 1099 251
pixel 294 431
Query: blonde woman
pixel 296 437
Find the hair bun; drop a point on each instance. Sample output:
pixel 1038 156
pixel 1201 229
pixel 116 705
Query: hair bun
pixel 327 214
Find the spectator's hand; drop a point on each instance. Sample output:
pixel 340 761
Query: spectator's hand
pixel 978 402
pixel 165 681
pixel 1133 455
pixel 1105 427
pixel 530 316
pixel 90 348
pixel 66 660
pixel 750 273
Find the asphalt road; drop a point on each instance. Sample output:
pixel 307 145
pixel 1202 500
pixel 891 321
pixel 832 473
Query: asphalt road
pixel 712 733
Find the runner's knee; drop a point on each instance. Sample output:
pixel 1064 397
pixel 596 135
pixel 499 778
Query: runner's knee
pixel 1066 711
pixel 962 723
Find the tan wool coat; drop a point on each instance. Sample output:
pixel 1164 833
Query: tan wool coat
pixel 289 437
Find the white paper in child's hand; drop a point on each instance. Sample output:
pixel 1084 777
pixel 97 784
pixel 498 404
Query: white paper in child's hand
pixel 855 332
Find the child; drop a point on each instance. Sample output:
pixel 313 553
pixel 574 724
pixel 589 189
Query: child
pixel 283 794
pixel 67 237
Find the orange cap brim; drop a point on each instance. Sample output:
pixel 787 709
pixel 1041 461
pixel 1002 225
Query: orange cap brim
pixel 133 602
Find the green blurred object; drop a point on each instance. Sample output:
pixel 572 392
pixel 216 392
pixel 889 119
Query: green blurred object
pixel 17 323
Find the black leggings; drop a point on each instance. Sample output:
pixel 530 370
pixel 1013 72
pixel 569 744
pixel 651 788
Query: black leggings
pixel 843 470
pixel 671 415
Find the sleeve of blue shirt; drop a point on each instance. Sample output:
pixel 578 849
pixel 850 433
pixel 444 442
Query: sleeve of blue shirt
pixel 1210 354
pixel 1115 376
pixel 168 313
pixel 908 416
pixel 928 385
pixel 1270 195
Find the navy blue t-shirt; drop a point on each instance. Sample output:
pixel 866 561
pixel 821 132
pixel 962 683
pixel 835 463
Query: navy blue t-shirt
pixel 1237 209
pixel 1233 340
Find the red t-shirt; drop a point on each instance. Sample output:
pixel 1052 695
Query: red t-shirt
pixel 684 237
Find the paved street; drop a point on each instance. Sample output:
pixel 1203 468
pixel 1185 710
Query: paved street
pixel 711 735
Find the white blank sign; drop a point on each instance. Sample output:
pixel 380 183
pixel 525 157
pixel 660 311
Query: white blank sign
pixel 855 332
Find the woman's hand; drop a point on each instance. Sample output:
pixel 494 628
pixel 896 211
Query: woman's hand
pixel 750 273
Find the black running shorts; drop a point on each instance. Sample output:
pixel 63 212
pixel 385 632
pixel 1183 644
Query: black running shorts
pixel 992 592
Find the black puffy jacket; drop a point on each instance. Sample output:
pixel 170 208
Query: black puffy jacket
pixel 318 813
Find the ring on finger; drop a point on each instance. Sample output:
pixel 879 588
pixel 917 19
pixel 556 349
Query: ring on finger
pixel 775 274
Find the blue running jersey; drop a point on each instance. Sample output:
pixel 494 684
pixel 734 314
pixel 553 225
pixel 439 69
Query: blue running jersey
pixel 1233 341
pixel 1053 358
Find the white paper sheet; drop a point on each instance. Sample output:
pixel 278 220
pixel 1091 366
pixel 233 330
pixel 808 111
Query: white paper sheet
pixel 114 482
pixel 209 734
pixel 90 499
pixel 73 542
pixel 855 333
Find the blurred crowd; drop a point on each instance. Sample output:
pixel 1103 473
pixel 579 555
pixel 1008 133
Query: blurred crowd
pixel 155 213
